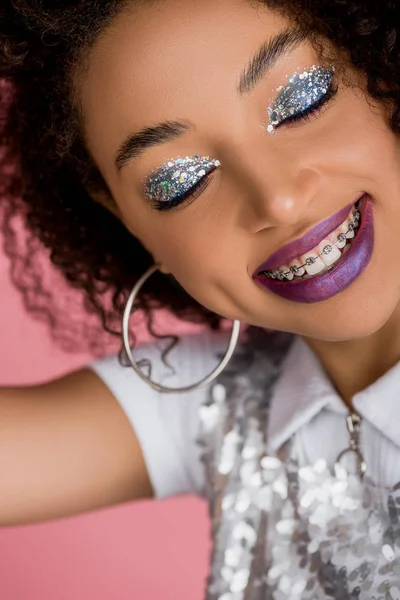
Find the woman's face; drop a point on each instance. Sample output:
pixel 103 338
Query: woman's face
pixel 258 176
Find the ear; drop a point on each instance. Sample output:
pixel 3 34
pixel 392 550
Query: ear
pixel 107 202
pixel 163 269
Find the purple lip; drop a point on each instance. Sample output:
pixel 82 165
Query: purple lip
pixel 304 244
pixel 346 270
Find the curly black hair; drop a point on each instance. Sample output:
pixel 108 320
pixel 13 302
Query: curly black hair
pixel 46 171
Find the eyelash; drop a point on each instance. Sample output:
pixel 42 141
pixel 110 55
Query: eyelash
pixel 313 110
pixel 191 195
pixel 299 118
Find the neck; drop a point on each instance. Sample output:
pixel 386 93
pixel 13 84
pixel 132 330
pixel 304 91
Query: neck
pixel 354 365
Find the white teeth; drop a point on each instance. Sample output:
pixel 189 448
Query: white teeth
pixel 300 270
pixel 329 253
pixel 325 255
pixel 288 274
pixel 314 267
pixel 345 229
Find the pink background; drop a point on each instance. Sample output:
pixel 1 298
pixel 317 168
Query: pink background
pixel 145 550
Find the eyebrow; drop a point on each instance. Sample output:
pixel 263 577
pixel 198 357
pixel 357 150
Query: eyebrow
pixel 264 60
pixel 137 143
pixel 267 56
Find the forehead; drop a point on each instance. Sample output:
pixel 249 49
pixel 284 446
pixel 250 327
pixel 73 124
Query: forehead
pixel 168 60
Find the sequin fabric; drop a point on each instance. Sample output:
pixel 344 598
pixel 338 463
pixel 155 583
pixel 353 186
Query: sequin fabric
pixel 176 177
pixel 281 531
pixel 303 91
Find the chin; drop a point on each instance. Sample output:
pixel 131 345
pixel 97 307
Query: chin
pixel 359 319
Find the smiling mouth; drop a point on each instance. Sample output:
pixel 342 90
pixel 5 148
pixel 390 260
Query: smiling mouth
pixel 322 257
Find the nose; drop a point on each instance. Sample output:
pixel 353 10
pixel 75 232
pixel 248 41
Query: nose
pixel 278 193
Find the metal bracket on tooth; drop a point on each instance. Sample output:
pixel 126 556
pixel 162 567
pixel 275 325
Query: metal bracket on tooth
pixel 353 224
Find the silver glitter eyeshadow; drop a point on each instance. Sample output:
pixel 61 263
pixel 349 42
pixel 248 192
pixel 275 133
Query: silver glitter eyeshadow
pixel 303 90
pixel 176 177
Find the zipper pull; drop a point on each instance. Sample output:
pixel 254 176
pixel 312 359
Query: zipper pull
pixel 353 422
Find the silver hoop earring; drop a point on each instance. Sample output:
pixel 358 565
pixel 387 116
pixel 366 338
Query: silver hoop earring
pixel 156 386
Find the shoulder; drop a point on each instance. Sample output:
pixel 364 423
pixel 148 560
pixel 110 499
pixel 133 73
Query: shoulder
pixel 173 362
pixel 167 424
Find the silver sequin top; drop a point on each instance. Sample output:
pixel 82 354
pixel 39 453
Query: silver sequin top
pixel 281 531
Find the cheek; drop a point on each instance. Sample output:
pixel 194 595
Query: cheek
pixel 375 158
pixel 364 139
pixel 187 249
pixel 203 254
pixel 355 139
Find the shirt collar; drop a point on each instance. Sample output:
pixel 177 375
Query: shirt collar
pixel 303 390
pixel 380 403
pixel 300 393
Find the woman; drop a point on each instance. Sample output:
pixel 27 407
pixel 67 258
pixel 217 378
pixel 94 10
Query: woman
pixel 250 151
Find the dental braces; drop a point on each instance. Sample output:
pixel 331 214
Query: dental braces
pixel 282 275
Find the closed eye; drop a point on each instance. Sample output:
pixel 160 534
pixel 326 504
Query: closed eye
pixel 185 198
pixel 312 110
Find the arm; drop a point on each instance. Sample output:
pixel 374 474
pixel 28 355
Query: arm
pixel 66 447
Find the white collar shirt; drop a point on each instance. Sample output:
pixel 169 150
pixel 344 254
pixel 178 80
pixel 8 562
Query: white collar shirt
pixel 307 410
